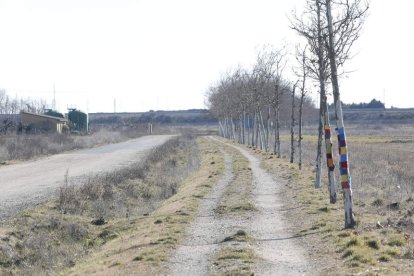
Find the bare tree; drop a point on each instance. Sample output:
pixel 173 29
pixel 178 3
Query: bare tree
pixel 315 62
pixel 330 28
pixel 349 21
pixel 292 125
pixel 303 74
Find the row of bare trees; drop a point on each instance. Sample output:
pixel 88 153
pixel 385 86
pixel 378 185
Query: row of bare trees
pixel 249 103
pixel 252 105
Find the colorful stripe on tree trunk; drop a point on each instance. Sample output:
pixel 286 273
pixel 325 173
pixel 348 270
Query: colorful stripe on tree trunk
pixel 343 162
pixel 328 145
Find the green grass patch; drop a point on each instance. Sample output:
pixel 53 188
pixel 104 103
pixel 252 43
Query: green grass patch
pixel 324 209
pixel 393 251
pixel 396 240
pixel 234 260
pixel 240 235
pixel 354 241
pixel 384 258
pixel 373 243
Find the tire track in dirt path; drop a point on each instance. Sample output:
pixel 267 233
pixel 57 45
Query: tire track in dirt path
pixel 192 257
pixel 279 252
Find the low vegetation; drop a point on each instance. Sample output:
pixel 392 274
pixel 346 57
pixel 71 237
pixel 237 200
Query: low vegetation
pixel 237 197
pixel 145 248
pixel 92 211
pixel 235 259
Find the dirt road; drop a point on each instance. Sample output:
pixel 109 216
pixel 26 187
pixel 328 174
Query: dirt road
pixel 28 183
pixel 278 251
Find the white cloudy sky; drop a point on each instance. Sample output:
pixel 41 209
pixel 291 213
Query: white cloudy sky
pixel 163 54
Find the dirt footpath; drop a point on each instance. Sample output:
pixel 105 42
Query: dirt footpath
pixel 276 251
pixel 25 184
pixel 192 257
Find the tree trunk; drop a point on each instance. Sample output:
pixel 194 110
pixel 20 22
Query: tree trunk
pixel 248 130
pixel 277 133
pixel 233 129
pixel 221 133
pixel 329 154
pixel 319 146
pixel 243 127
pixel 268 129
pixel 262 131
pixel 300 138
pixel 257 125
pixel 324 104
pixel 253 128
pixel 292 127
pixel 343 148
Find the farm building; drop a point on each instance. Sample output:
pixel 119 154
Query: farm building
pixel 41 122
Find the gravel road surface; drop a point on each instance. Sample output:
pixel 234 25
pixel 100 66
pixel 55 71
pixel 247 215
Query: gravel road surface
pixel 26 184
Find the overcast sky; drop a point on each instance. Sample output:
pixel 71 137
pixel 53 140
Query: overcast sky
pixel 163 54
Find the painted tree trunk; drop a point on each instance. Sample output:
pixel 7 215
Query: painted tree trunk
pixel 343 148
pixel 329 155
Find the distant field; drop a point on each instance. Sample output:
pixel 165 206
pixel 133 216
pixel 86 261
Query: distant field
pixel 379 116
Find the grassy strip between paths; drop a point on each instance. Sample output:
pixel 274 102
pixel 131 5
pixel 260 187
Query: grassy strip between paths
pixel 236 255
pixel 237 197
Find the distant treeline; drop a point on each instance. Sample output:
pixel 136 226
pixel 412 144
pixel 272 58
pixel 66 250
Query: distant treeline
pixel 192 116
pixel 372 104
pixel 13 105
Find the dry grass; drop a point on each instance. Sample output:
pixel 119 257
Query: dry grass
pixel 237 197
pixel 146 249
pixel 133 190
pixel 92 213
pixel 382 242
pixel 235 259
